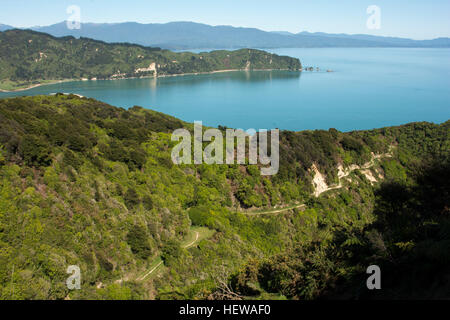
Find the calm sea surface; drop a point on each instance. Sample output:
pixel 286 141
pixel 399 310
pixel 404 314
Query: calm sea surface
pixel 368 88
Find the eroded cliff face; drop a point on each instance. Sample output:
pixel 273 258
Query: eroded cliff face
pixel 151 67
pixel 319 182
pixel 372 174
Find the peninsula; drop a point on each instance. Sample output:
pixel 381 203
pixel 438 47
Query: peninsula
pixel 29 59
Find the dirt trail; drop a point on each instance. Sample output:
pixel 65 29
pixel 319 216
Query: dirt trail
pixel 270 211
pixel 193 242
pixel 150 272
pixel 141 278
pixel 342 173
pixel 319 179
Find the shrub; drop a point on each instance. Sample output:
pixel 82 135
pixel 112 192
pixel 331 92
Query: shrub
pixel 131 198
pixel 137 238
pixel 199 215
pixel 171 252
pixel 34 151
pixel 351 144
pixel 71 159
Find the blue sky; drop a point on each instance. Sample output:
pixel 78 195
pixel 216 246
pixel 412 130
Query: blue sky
pixel 417 19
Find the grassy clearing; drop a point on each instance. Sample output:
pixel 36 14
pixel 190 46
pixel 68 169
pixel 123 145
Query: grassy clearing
pixel 195 235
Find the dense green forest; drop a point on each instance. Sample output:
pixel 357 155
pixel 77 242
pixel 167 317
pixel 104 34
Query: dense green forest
pixel 28 58
pixel 88 184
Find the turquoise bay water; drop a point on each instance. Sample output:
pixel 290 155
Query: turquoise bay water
pixel 369 88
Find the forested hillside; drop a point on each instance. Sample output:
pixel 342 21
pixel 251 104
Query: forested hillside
pixel 88 184
pixel 29 57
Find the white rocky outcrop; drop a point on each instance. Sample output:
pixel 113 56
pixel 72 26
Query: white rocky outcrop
pixel 369 175
pixel 151 67
pixel 320 184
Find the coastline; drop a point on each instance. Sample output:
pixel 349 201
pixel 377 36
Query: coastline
pixel 38 85
pixel 144 77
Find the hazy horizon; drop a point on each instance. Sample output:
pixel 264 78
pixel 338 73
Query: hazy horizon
pixel 402 18
pixel 225 25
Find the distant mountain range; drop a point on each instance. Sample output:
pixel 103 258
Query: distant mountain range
pixel 4 27
pixel 190 35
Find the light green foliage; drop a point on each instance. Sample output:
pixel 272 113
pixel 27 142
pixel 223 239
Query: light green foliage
pixel 111 200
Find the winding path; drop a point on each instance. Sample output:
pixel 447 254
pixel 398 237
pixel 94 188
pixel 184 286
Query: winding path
pixel 272 211
pixel 342 175
pixel 193 242
pixel 257 213
pixel 150 272
pixel 142 278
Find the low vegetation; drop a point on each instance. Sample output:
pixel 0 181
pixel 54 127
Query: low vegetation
pixel 88 184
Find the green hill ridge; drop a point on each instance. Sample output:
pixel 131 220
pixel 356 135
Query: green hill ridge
pixel 88 184
pixel 29 58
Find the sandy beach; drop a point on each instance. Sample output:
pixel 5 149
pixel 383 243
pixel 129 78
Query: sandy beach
pixel 145 77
